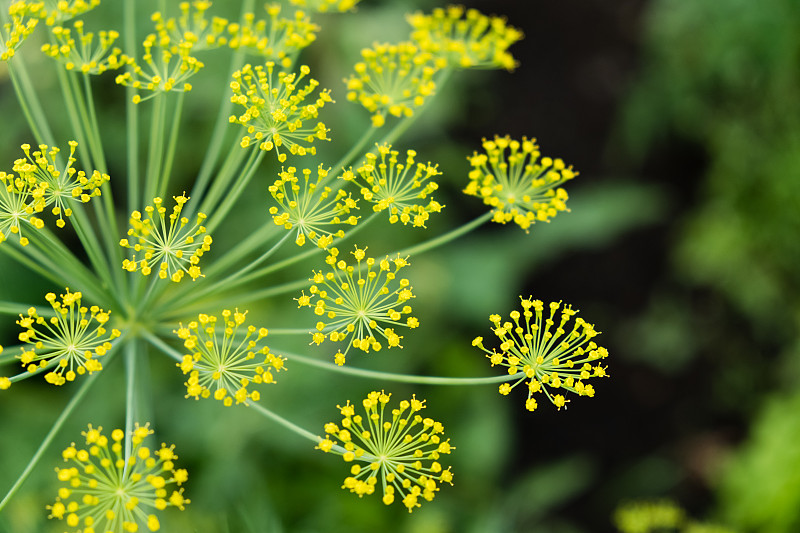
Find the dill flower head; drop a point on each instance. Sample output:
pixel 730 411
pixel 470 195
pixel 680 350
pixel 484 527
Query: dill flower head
pixel 401 449
pixel 69 342
pixel 57 11
pixel 393 79
pixel 539 346
pixel 57 188
pixel 520 186
pixel 104 492
pixel 310 210
pixel 466 39
pixel 647 516
pixel 5 383
pixel 13 33
pixel 275 112
pixel 323 6
pixel 20 199
pixel 176 247
pixel 84 54
pixel 278 39
pixel 224 367
pixel 391 186
pixel 357 302
pixel 193 26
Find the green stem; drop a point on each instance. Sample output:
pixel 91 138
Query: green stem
pixel 389 376
pixel 245 174
pixel 130 396
pixel 242 249
pixel 354 151
pixel 447 237
pixel 14 308
pixel 155 150
pixel 173 142
pixel 31 108
pixel 70 102
pixel 291 426
pixel 93 127
pixel 222 178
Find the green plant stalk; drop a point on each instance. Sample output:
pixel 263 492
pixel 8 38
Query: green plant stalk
pixel 31 108
pixel 222 179
pixel 155 150
pixel 172 144
pixel 130 397
pixel 84 148
pixel 245 175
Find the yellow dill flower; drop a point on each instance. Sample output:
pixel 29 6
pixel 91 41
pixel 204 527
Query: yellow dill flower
pixel 13 33
pixel 193 26
pixel 58 188
pixel 224 368
pixel 520 186
pixel 57 11
pixel 323 6
pixel 84 54
pixel 400 447
pixel 5 383
pixel 103 491
pixel 167 70
pixel 648 516
pixel 309 209
pixel 466 39
pixel 20 199
pixel 278 39
pixel 543 351
pixel 275 110
pixel 389 185
pixel 69 342
pixel 393 79
pixel 176 249
pixel 358 302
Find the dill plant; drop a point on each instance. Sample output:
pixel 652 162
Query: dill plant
pixel 142 279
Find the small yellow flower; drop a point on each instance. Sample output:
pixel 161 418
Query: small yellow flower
pixel 323 6
pixel 175 246
pixel 465 38
pixel 56 12
pixel 21 198
pixel 225 367
pixel 650 516
pixel 400 450
pixel 69 343
pixel 102 490
pixel 277 39
pixel 310 210
pixel 193 26
pixel 393 79
pixel 275 109
pixel 24 17
pixel 391 186
pixel 520 186
pixel 542 351
pixel 355 304
pixel 84 54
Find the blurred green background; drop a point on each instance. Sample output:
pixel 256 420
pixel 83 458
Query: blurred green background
pixel 683 118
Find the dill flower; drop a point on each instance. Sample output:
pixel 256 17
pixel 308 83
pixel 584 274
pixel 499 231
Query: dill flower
pixel 323 6
pixel 278 39
pixel 518 184
pixel 58 188
pixel 20 199
pixel 310 209
pixel 58 11
pixel 84 54
pixel 403 451
pixel 359 303
pixel 5 383
pixel 176 249
pixel 275 112
pixel 225 367
pixel 104 491
pixel 549 357
pixel 13 33
pixel 389 185
pixel 167 70
pixel 193 26
pixel 393 79
pixel 69 343
pixel 466 39
pixel 647 516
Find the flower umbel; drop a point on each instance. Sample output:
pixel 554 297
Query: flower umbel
pixel 13 33
pixel 177 249
pixel 275 112
pixel 104 491
pixel 312 211
pixel 541 350
pixel 69 342
pixel 389 185
pixel 278 39
pixel 225 367
pixel 193 26
pixel 399 446
pixel 80 54
pixel 516 183
pixel 358 302
pixel 326 5
pixel 467 39
pixel 20 198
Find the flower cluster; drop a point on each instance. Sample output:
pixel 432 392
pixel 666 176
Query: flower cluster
pixel 466 39
pixel 176 248
pixel 105 490
pixel 310 209
pixel 274 110
pixel 80 54
pixel 389 185
pixel 5 382
pixel 518 185
pixel 69 342
pixel 400 447
pixel 20 200
pixel 359 303
pixel 56 12
pixel 13 33
pixel 393 79
pixel 326 5
pixel 278 39
pixel 192 26
pixel 224 368
pixel 542 351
